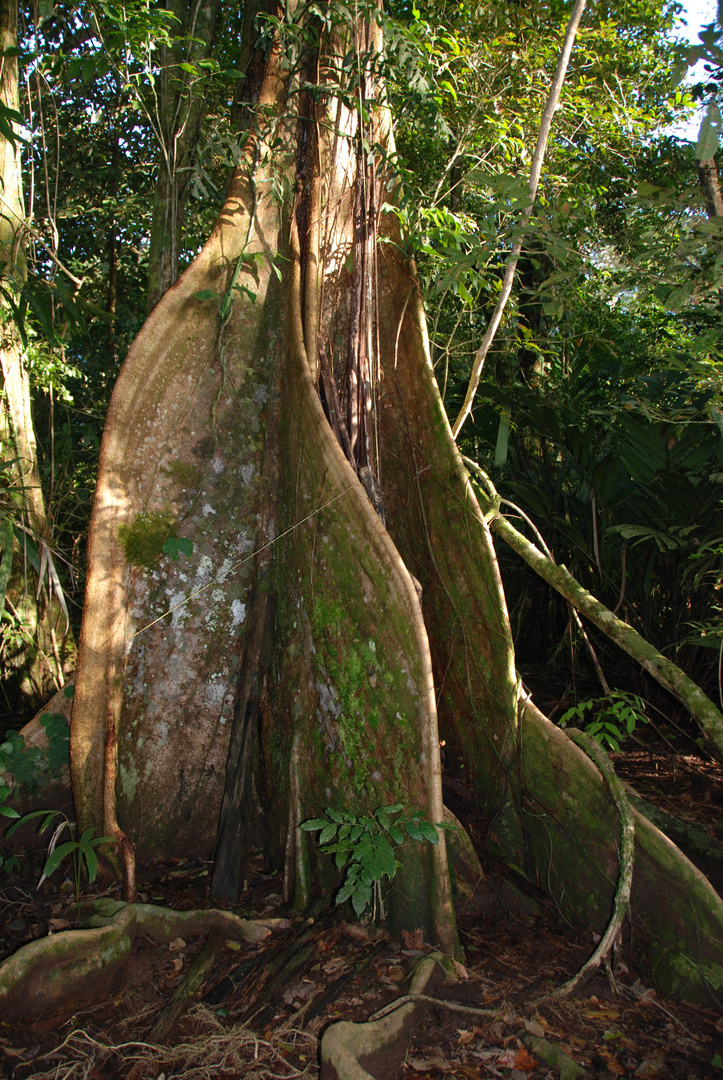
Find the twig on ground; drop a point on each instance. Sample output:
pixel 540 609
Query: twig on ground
pixel 443 1003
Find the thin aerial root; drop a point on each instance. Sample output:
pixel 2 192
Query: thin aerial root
pixel 625 875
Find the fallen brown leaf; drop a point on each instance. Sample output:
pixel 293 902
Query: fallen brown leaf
pixel 434 1060
pixel 413 939
pixel 535 1028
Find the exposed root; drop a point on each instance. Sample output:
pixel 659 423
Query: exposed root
pixel 163 924
pixel 212 1053
pixel 65 972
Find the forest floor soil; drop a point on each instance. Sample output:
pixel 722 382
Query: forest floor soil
pixel 251 1020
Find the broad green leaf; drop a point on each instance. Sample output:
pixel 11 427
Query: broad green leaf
pixel 91 862
pixel 503 438
pixel 385 854
pixel 345 892
pixel 56 857
pixel 414 830
pixel 429 832
pixel 359 902
pixel 175 544
pixel 314 824
pixel 364 847
pixel 328 833
pixel 375 866
pixel 49 816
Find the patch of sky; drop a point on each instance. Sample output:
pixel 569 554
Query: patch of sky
pixel 695 15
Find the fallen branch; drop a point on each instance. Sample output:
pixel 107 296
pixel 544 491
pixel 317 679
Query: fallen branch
pixel 664 671
pixel 565 1066
pixel 443 1003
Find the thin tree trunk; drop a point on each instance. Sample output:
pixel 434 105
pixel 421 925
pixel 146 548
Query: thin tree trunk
pixel 709 181
pixel 180 111
pixel 38 666
pixel 535 171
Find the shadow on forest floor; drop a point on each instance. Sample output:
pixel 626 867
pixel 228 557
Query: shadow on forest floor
pixel 262 1008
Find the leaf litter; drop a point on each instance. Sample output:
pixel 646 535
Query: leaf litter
pixel 262 1008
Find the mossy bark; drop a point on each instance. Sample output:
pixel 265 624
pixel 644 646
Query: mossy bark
pixel 572 832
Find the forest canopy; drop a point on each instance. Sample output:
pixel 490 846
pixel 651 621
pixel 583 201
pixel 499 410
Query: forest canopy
pixel 597 410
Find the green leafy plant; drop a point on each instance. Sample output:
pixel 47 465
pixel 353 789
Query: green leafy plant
pixel 612 719
pixel 82 850
pixel 365 844
pixel 176 544
pixel 7 864
pixel 30 766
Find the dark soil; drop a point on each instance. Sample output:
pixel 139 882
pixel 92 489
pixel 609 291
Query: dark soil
pixel 251 1021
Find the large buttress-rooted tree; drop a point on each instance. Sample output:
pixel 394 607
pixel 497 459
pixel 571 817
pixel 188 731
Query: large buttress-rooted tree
pixel 341 608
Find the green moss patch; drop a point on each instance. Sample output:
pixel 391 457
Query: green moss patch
pixel 184 473
pixel 143 539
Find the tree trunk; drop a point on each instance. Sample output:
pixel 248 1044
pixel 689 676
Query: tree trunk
pixel 279 434
pixel 709 181
pixel 35 669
